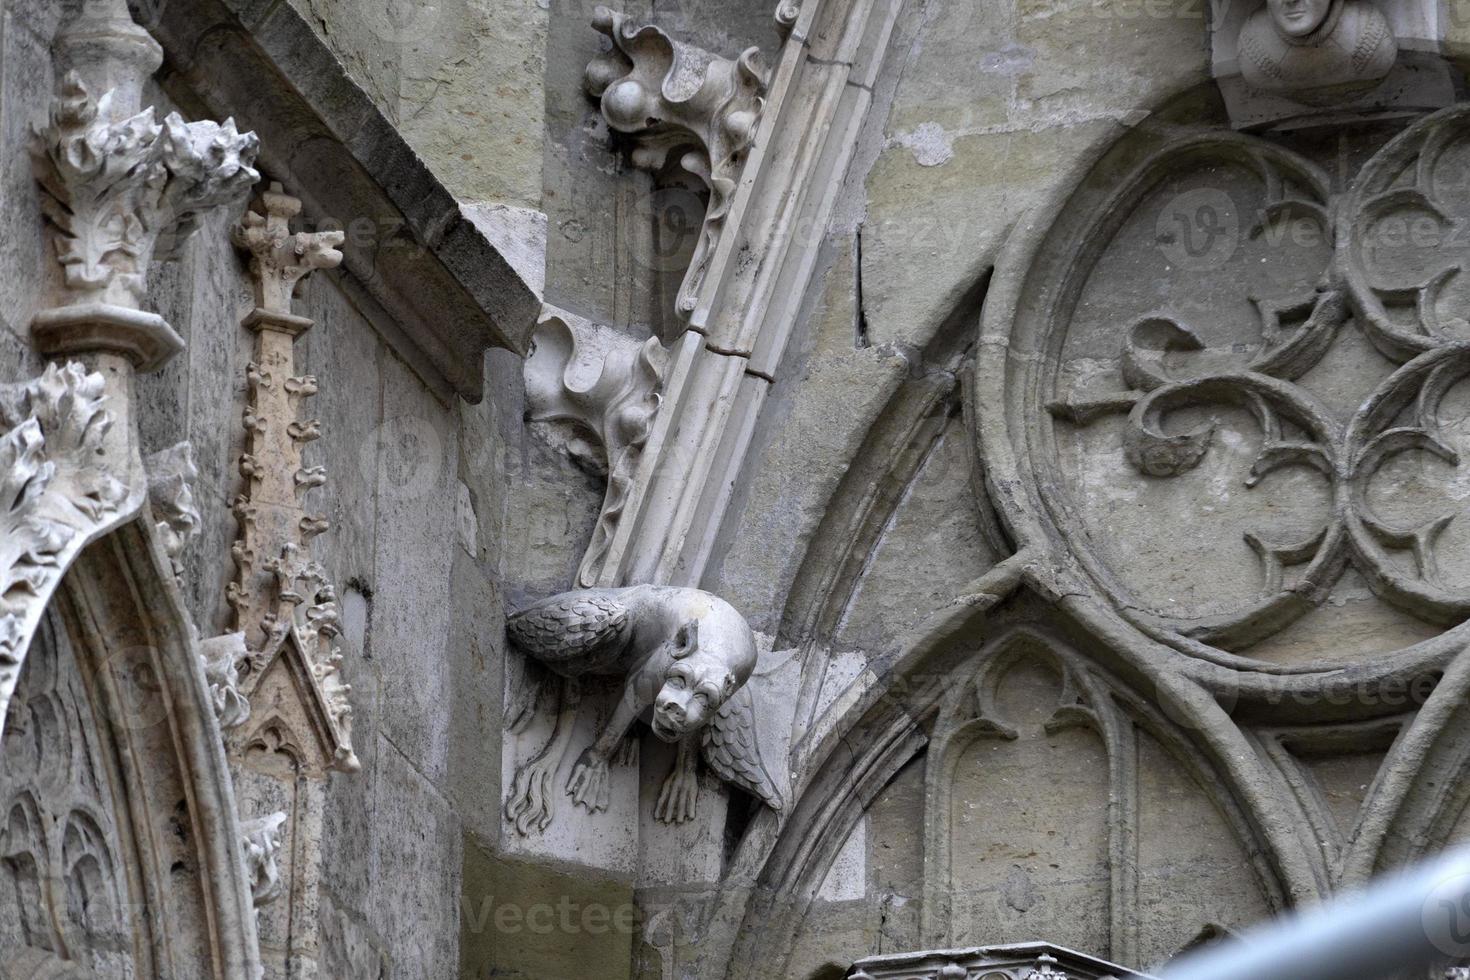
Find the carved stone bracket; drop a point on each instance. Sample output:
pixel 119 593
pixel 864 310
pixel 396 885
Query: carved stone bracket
pixel 683 658
pixel 222 656
pixel 616 408
pixel 171 476
pixel 260 844
pixel 684 105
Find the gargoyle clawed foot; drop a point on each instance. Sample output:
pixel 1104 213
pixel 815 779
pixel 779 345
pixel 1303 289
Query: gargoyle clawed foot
pixel 529 806
pixel 627 753
pixel 679 798
pixel 589 784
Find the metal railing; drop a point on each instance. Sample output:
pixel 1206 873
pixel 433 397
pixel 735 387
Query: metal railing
pixel 1402 925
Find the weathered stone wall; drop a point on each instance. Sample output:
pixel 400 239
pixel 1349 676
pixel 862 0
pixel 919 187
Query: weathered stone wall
pixel 866 512
pixel 1029 667
pixel 416 491
pixel 462 80
pixel 419 595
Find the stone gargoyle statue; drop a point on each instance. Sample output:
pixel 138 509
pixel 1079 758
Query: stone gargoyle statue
pixel 681 656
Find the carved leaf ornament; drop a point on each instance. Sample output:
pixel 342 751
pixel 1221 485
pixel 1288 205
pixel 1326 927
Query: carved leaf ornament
pixel 616 409
pixel 56 493
pixel 1228 327
pixel 684 105
pixel 113 189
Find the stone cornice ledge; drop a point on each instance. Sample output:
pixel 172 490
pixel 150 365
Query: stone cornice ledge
pixel 451 291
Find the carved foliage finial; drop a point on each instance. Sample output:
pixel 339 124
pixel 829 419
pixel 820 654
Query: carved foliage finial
pixel 113 189
pixel 280 596
pixel 682 104
pixel 119 188
pixel 279 260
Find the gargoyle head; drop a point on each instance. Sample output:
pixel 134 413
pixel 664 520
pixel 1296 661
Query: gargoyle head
pixel 697 682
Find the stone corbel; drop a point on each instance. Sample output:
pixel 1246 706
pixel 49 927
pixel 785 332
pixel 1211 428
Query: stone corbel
pixel 685 105
pixel 171 476
pixel 222 656
pixel 260 845
pixel 615 407
pixel 114 184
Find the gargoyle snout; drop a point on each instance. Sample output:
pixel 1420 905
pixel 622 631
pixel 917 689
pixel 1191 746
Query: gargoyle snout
pixel 670 708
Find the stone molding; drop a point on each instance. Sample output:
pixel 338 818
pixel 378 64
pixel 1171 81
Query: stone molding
pixel 1017 961
pixel 117 635
pixel 57 494
pixel 427 278
pixel 747 302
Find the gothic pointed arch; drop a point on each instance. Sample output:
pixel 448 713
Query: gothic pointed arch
pixel 121 840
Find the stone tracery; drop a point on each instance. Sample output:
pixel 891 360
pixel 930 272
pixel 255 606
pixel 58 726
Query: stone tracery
pixel 1167 367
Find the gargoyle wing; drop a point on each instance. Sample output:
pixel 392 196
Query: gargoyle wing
pixel 731 750
pixel 569 626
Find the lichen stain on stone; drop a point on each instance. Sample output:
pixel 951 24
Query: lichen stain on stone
pixel 1011 59
pixel 929 143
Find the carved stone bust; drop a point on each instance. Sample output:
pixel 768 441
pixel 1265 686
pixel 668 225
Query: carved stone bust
pixel 1316 50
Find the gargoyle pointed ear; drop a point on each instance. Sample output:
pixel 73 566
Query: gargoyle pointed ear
pixel 686 641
